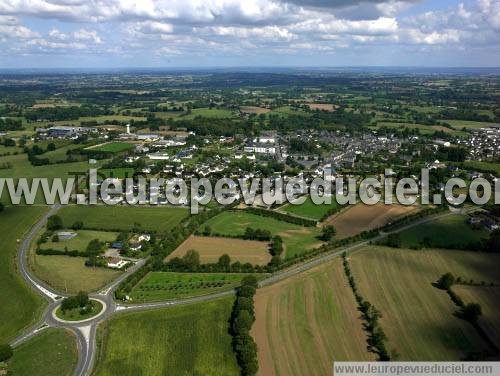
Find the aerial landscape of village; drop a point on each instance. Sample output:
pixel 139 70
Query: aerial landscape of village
pixel 241 216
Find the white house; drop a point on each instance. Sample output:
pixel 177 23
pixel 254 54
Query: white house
pixel 116 263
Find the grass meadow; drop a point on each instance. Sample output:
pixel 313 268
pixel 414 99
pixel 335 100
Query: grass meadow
pixel 51 353
pixel 181 340
pixel 484 166
pixel 20 167
pixel 424 129
pixel 213 113
pixel 124 218
pixel 69 274
pixel 459 124
pixel 309 209
pixel 81 240
pixel 114 147
pixel 20 305
pixel 447 232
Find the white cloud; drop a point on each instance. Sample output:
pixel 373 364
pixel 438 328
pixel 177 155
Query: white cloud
pixel 57 34
pixel 46 45
pixel 267 32
pixel 10 28
pixel 87 35
pixel 331 25
pixel 435 37
pixel 490 10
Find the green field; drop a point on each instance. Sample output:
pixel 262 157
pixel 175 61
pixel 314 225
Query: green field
pixel 60 154
pixel 69 274
pixel 424 129
pixel 22 168
pixel 9 149
pixel 309 209
pixel 119 173
pixel 285 111
pixel 81 240
pixel 114 147
pixel 124 218
pixel 418 318
pixel 448 232
pixel 483 166
pixel 213 113
pixel 20 305
pixel 51 353
pixel 167 285
pixel 297 239
pixel 459 124
pixel 183 340
pixel 489 299
pixel 98 119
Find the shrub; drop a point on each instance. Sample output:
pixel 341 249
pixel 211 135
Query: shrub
pixel 6 352
pixel 446 281
pixel 78 225
pixel 54 222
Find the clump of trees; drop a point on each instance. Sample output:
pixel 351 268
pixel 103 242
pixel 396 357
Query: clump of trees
pixel 10 124
pixel 94 249
pixel 242 319
pixel 81 300
pixel 54 222
pixel 393 241
pixel 327 233
pixel 446 281
pixel 257 234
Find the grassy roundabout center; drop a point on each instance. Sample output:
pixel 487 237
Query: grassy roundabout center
pixel 93 308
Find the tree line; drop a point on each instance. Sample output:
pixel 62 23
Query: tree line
pixel 242 319
pixel 376 336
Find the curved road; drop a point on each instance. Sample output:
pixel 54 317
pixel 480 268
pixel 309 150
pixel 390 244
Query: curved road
pixel 85 332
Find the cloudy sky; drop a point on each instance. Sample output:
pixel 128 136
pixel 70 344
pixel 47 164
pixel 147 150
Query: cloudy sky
pixel 209 33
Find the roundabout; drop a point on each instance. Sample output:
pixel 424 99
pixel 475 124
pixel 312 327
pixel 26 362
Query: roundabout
pixel 80 314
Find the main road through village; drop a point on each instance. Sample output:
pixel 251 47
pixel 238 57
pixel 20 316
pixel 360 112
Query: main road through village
pixel 86 331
